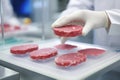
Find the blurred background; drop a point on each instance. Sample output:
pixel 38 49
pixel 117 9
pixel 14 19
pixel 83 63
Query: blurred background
pixel 33 18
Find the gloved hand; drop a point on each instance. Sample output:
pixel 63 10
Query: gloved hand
pixel 86 18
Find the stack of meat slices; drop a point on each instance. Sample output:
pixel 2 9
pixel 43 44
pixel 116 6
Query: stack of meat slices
pixel 65 60
pixel 69 59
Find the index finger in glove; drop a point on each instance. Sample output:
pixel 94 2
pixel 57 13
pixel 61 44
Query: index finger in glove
pixel 65 20
pixel 87 28
pixel 61 21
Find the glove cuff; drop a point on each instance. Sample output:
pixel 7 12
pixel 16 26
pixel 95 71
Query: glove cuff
pixel 107 24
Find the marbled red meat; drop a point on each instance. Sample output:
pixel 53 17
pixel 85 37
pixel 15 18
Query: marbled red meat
pixel 23 49
pixel 92 51
pixel 68 31
pixel 43 53
pixel 65 46
pixel 70 59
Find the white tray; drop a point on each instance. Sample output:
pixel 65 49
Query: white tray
pixel 49 68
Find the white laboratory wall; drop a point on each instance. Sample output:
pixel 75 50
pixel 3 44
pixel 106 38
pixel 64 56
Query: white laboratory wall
pixel 48 6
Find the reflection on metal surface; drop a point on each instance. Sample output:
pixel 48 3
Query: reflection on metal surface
pixel 8 74
pixel 2 71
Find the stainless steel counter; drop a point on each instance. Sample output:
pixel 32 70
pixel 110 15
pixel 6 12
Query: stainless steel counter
pixel 8 74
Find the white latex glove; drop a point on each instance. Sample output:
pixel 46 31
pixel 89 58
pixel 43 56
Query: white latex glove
pixel 88 19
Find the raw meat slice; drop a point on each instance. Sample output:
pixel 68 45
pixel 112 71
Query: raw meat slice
pixel 43 54
pixel 68 30
pixel 23 49
pixel 65 46
pixel 70 59
pixel 92 51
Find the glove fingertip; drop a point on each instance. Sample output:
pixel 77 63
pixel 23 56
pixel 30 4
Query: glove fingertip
pixel 84 33
pixel 57 24
pixel 54 25
pixel 87 28
pixel 63 40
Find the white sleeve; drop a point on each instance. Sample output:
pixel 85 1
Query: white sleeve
pixel 9 16
pixel 7 8
pixel 74 5
pixel 114 16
